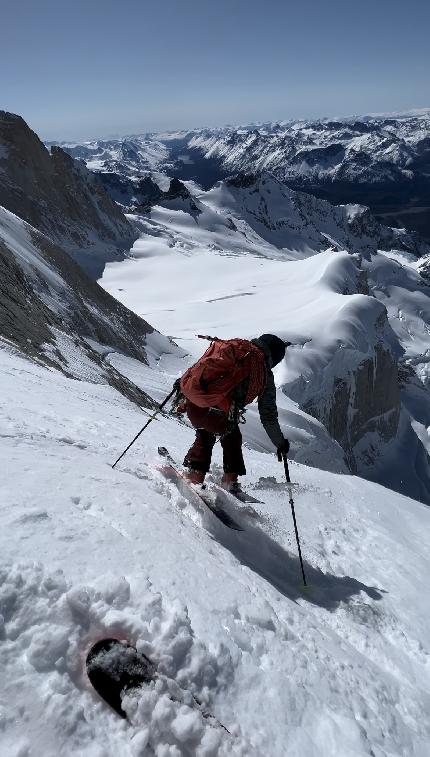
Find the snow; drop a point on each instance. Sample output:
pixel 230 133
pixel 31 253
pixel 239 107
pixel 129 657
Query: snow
pixel 14 234
pixel 89 551
pixel 397 283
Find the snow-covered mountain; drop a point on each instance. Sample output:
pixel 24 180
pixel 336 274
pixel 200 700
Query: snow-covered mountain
pixel 379 161
pixel 60 197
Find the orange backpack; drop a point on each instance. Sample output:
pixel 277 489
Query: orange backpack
pixel 211 381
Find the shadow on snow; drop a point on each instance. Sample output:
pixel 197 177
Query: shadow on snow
pixel 256 550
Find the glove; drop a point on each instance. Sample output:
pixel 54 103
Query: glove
pixel 282 450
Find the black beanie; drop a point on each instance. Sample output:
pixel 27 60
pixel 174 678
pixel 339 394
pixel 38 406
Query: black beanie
pixel 276 346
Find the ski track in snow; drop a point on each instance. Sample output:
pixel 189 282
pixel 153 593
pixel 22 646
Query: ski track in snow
pixel 87 551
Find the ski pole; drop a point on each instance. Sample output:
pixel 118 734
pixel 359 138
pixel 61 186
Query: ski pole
pixel 290 489
pixel 159 408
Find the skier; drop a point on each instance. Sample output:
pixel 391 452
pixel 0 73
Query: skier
pixel 230 375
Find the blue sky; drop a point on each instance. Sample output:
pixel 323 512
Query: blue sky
pixel 78 69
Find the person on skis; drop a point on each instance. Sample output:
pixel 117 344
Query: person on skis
pixel 215 391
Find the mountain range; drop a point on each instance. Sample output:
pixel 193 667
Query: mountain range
pixel 379 161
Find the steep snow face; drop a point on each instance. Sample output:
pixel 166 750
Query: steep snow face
pixel 55 314
pixel 87 552
pixel 60 197
pixel 251 262
pixel 298 221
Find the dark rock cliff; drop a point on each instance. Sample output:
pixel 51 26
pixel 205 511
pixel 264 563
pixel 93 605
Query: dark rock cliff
pixel 60 197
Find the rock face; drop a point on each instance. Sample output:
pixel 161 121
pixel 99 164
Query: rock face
pixel 354 390
pixel 55 314
pixel 140 195
pixel 60 197
pixel 135 195
pixel 424 269
pixel 364 401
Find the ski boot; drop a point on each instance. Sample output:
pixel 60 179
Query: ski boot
pixel 230 483
pixel 195 476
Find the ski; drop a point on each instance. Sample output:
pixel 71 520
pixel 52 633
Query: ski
pixel 245 497
pixel 193 494
pixel 115 668
pixel 240 504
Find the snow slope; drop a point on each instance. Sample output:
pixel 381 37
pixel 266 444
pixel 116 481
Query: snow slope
pixel 342 669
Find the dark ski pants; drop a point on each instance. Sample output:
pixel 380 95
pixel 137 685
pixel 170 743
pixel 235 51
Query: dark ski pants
pixel 209 424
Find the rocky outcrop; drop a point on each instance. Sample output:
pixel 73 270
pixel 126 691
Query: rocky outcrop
pixel 140 196
pixel 178 197
pixel 60 197
pixel 364 401
pixel 368 235
pixel 243 180
pixel 133 194
pixel 424 269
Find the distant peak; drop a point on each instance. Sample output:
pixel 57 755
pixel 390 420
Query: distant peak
pixel 243 180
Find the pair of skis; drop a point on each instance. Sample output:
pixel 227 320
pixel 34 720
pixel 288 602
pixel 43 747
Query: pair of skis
pixel 214 497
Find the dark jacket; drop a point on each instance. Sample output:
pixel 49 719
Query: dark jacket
pixel 266 400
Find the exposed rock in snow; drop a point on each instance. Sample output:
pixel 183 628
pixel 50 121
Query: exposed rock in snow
pixel 365 400
pixel 314 222
pixel 133 194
